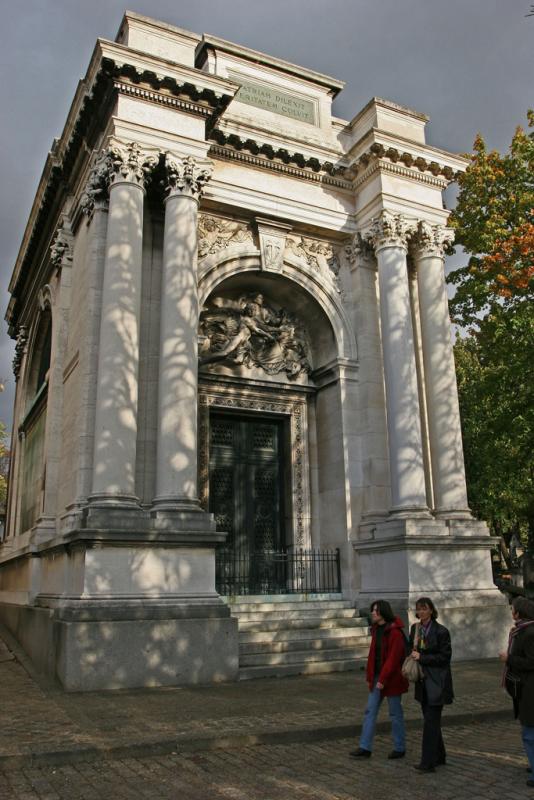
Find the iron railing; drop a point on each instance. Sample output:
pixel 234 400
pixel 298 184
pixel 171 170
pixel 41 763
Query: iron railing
pixel 287 571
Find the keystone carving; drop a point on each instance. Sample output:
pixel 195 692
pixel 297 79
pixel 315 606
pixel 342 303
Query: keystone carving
pixel 251 333
pixel 187 176
pixel 216 234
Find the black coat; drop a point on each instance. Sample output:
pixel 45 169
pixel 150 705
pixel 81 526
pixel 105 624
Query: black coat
pixel 436 686
pixel 521 662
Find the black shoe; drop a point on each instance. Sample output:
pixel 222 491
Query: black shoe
pixel 360 753
pixel 529 769
pixel 397 754
pixel 530 782
pixel 442 763
pixel 422 768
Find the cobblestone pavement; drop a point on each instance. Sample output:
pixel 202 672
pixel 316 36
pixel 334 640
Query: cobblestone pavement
pixel 485 762
pixel 43 724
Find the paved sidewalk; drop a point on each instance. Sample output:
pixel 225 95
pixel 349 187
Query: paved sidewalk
pixel 41 725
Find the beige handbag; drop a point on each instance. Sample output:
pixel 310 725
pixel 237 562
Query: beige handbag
pixel 411 669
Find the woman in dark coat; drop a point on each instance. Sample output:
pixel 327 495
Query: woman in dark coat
pixel 433 651
pixel 519 661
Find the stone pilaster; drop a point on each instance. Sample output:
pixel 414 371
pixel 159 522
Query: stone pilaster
pixel 122 170
pixel 176 468
pixel 389 235
pixel 448 474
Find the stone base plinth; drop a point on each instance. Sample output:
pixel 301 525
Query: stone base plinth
pixel 449 561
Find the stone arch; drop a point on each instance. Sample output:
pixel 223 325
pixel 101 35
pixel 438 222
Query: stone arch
pixel 216 270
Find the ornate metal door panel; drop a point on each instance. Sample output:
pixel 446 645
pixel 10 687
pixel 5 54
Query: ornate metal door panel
pixel 246 491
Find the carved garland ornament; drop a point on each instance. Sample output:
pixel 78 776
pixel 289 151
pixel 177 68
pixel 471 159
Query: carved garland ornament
pixel 20 349
pixel 61 249
pixel 251 333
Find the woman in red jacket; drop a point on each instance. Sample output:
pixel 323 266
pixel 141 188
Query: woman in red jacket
pixel 385 679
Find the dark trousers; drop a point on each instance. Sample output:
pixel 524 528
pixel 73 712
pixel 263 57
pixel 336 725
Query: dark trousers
pixel 433 750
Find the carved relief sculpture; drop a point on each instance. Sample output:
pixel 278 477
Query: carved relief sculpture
pixel 251 333
pixel 215 234
pixel 320 256
pixel 20 347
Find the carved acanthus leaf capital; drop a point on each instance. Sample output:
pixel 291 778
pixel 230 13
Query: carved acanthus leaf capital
pixel 432 240
pixel 20 348
pixel 187 176
pixel 390 230
pixel 117 162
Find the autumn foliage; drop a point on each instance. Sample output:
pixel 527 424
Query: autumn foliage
pixel 494 222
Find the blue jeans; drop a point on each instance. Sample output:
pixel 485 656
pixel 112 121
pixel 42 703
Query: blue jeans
pixel 397 721
pixel 527 734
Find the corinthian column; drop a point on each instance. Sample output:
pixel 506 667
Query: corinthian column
pixel 176 476
pixel 124 169
pixel 448 474
pixel 389 236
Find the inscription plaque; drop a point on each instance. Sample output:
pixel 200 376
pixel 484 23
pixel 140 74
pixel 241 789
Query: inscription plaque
pixel 288 105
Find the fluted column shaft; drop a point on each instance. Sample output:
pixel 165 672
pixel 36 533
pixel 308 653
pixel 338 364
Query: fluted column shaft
pixel 176 468
pixel 125 169
pixel 448 473
pixel 389 237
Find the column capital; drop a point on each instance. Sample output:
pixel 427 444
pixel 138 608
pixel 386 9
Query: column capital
pixel 186 176
pixel 390 230
pixel 118 162
pixel 432 240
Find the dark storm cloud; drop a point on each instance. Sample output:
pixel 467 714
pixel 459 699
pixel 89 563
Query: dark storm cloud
pixel 466 63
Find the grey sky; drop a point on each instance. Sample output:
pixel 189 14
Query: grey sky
pixel 465 63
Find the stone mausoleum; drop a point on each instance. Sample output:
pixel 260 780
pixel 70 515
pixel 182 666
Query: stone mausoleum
pixel 236 392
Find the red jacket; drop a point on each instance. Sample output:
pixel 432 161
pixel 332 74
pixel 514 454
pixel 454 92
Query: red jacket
pixel 393 655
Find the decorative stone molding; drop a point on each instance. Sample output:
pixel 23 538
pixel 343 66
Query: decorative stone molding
pixel 320 256
pixel 20 349
pixel 232 397
pixel 186 176
pixel 359 250
pixel 390 230
pixel 215 234
pixel 250 333
pixel 46 297
pixel 117 162
pixel 432 240
pixel 61 249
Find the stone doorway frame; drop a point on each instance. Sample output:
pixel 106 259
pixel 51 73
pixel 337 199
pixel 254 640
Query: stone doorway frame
pixel 291 403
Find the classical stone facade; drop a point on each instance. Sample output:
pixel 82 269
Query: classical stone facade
pixel 232 331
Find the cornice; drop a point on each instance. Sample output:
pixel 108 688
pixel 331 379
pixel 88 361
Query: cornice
pixel 316 174
pixel 109 72
pixel 383 166
pixel 415 164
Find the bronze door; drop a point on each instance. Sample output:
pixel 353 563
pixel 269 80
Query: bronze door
pixel 246 498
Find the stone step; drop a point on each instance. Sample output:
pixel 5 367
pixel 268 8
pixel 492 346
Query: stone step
pixel 302 668
pixel 298 613
pixel 296 634
pixel 282 598
pixel 301 657
pixel 308 622
pixel 311 644
pixel 306 605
